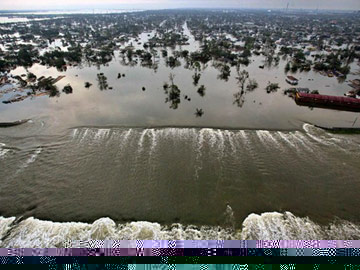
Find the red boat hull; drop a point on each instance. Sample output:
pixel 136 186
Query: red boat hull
pixel 328 102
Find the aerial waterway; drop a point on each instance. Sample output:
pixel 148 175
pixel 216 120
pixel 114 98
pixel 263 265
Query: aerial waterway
pixel 172 182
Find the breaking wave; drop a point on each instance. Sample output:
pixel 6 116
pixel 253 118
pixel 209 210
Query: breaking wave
pixel 224 148
pixel 286 226
pixel 33 157
pixel 35 233
pixel 216 138
pixel 3 151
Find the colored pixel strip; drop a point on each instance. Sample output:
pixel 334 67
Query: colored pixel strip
pixel 128 254
pixel 215 244
pixel 178 252
pixel 95 258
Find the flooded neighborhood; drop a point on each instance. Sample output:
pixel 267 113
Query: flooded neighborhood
pixel 227 55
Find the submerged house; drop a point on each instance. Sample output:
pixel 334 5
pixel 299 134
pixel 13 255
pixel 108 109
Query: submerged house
pixel 292 80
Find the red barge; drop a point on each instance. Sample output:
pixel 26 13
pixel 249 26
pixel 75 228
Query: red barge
pixel 328 102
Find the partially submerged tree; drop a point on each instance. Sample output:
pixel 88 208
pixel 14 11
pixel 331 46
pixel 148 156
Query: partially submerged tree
pixel 102 80
pixel 31 76
pixel 287 67
pixel 173 93
pixel 242 79
pixel 47 84
pixel 196 78
pixel 199 112
pixel 272 87
pixel 225 72
pixel 88 85
pixel 252 85
pixel 201 90
pixel 67 89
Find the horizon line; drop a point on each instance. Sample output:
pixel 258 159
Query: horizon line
pixel 179 8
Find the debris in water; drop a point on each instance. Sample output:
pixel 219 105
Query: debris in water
pixel 199 112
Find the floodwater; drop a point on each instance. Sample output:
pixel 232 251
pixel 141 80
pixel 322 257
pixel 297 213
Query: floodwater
pixel 18 19
pixel 75 11
pixel 124 154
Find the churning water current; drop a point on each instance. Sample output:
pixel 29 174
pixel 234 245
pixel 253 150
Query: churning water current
pixel 143 177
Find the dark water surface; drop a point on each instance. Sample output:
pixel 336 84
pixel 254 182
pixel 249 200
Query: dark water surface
pixel 179 174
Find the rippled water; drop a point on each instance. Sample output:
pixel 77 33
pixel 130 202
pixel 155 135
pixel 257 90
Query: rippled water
pixel 185 175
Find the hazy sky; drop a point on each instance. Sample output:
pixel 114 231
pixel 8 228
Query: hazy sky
pixel 159 4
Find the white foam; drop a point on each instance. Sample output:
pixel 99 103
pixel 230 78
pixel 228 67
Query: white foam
pixel 286 226
pixel 303 141
pixel 201 138
pixel 141 140
pixel 154 136
pixel 84 135
pixel 229 135
pixel 5 226
pixel 3 152
pixel 199 146
pixel 124 138
pixel 322 139
pixel 266 137
pixel 260 136
pixel 243 136
pixel 188 133
pixel 170 132
pixel 127 135
pixel 261 227
pixel 36 233
pixel 34 156
pixel 229 217
pixel 271 138
pixel 221 140
pixel 74 133
pixel 335 139
pixel 307 128
pixel 30 160
pixel 102 134
pixel 286 139
pixel 211 135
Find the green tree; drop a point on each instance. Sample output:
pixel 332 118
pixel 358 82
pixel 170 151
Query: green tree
pixel 272 87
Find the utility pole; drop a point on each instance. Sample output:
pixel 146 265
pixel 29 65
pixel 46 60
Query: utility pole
pixel 355 121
